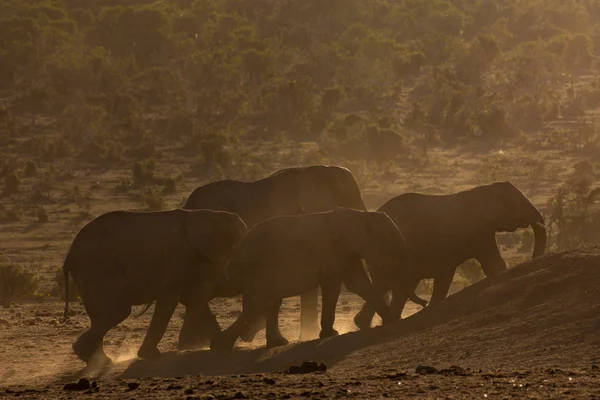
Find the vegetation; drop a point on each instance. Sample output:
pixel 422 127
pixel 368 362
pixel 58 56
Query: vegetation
pixel 146 94
pixel 16 282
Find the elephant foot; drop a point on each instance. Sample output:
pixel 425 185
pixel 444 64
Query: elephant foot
pixel 309 333
pixel 90 354
pixel 222 343
pixel 148 352
pixel 277 341
pixel 99 360
pixel 362 320
pixel 327 333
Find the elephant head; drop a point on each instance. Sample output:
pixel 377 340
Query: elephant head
pixel 214 234
pixel 373 236
pixel 506 209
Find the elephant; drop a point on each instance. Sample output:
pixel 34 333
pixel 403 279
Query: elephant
pixel 290 255
pixel 444 231
pixel 290 191
pixel 125 258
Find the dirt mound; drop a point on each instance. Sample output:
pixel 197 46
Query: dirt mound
pixel 542 313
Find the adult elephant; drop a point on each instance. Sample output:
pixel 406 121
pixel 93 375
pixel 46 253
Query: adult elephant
pixel 290 255
pixel 444 231
pixel 290 191
pixel 123 258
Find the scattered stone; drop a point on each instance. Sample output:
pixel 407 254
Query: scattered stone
pixel 269 381
pixel 189 391
pixel 240 395
pixel 3 322
pixel 174 387
pixel 133 385
pixel 425 370
pixel 307 367
pixel 82 384
pixel 595 367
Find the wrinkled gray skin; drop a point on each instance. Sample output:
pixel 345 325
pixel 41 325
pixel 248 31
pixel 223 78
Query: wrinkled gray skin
pixel 290 255
pixel 126 258
pixel 290 191
pixel 442 232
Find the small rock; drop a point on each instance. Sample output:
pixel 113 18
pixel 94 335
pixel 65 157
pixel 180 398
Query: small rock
pixel 133 385
pixel 306 368
pixel 240 395
pixel 425 369
pixel 18 315
pixel 3 322
pixel 293 369
pixel 209 397
pixel 269 381
pixel 82 384
pixel 174 387
pixel 189 391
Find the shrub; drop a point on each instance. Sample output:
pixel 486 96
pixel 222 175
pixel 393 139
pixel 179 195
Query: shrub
pixel 30 169
pixel 142 173
pixel 153 200
pixel 11 183
pixel 16 282
pixel 42 215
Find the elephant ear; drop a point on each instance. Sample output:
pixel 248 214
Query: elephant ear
pixel 350 228
pixel 201 228
pixel 489 205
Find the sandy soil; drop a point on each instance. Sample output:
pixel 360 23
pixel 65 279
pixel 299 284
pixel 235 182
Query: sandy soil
pixel 530 333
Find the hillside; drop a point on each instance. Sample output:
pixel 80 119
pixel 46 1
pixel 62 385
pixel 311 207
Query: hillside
pixel 532 329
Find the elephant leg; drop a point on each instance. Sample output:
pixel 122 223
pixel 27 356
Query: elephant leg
pixel 199 327
pixel 490 258
pixel 103 316
pixel 365 316
pixel 400 294
pixel 416 299
pixel 158 325
pixel 441 286
pixel 274 336
pixel 330 293
pixel 356 280
pixel 252 328
pixel 309 327
pixel 249 316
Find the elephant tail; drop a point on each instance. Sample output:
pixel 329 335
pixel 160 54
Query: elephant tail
pixel 146 307
pixel 66 278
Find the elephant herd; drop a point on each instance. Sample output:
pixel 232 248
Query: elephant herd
pixel 290 234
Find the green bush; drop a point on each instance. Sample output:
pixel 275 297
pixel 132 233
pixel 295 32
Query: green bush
pixel 17 282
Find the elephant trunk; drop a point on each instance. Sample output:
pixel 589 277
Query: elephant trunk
pixel 539 232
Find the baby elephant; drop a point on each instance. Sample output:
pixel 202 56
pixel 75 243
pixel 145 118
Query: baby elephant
pixel 290 255
pixel 125 258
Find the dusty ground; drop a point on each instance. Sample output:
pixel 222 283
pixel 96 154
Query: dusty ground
pixel 530 333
